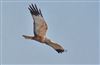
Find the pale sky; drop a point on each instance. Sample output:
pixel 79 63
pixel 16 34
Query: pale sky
pixel 74 25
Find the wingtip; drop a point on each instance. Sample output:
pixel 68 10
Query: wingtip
pixel 34 9
pixel 59 50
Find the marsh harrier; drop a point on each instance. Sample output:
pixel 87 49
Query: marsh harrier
pixel 40 29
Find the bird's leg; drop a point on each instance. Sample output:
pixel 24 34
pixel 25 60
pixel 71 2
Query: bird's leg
pixel 28 37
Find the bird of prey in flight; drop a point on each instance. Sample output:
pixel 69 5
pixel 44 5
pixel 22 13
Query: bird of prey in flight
pixel 40 29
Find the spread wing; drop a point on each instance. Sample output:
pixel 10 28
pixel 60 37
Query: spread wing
pixel 55 46
pixel 40 26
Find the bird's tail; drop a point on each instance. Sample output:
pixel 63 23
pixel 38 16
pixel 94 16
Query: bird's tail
pixel 55 46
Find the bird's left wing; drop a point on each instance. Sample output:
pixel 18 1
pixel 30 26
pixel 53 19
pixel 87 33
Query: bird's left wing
pixel 40 26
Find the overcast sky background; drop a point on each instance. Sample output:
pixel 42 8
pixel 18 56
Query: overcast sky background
pixel 74 25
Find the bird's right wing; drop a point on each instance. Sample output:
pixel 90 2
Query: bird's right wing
pixel 40 26
pixel 55 46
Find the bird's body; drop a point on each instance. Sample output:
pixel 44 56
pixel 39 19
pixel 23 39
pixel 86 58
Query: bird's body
pixel 40 29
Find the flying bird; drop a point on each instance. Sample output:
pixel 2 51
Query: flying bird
pixel 40 29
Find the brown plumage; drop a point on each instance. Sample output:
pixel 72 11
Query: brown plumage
pixel 40 29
